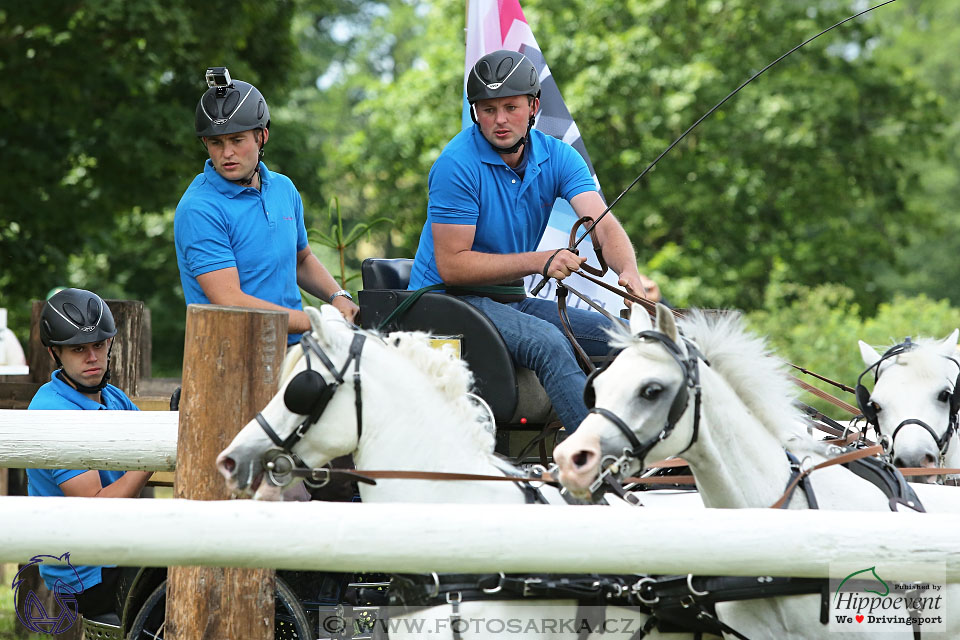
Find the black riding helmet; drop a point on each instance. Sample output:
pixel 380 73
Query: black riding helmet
pixel 75 316
pixel 230 106
pixel 502 74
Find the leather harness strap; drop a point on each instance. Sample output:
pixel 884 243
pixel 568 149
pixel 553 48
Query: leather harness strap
pixel 841 459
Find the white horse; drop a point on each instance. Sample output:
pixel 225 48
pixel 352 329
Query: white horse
pixel 914 402
pixel 416 416
pixel 736 449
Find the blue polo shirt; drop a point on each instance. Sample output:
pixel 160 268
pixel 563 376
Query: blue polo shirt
pixel 58 395
pixel 470 184
pixel 220 224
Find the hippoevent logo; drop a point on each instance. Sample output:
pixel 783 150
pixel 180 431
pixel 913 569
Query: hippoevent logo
pixel 888 597
pixel 30 610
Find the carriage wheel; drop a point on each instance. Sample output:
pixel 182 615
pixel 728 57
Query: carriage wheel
pixel 290 620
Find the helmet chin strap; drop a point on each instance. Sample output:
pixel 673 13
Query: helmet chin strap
pixel 246 182
pixel 506 151
pixel 82 388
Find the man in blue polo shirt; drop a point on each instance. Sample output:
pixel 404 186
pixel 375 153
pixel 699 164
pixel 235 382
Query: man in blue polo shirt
pixel 77 328
pixel 490 196
pixel 239 229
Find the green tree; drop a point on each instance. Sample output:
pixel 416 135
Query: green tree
pixel 97 100
pixel 810 167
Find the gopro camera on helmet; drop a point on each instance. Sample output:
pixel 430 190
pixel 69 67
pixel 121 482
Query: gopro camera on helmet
pixel 218 77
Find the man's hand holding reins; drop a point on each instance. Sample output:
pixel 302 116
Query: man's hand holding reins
pixel 561 263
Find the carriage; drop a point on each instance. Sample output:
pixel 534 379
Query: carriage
pixel 299 609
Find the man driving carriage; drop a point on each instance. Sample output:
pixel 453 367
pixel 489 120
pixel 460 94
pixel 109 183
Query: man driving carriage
pixel 490 195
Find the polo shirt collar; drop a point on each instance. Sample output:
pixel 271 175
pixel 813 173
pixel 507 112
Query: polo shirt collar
pixel 69 393
pixel 227 187
pixel 536 153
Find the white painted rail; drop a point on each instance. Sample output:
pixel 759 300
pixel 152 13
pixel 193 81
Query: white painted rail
pixel 469 538
pixel 123 440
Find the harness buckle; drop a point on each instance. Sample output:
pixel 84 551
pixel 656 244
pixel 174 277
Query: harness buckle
pixel 454 597
pixel 527 583
pixel 312 480
pixel 692 590
pixel 641 586
pixel 499 586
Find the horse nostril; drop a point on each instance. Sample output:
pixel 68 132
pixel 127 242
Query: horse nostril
pixel 930 460
pixel 228 465
pixel 898 462
pixel 581 458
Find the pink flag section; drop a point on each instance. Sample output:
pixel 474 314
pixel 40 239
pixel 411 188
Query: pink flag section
pixel 500 24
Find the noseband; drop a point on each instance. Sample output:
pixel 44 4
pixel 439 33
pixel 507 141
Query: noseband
pixel 691 374
pixel 308 394
pixel 870 412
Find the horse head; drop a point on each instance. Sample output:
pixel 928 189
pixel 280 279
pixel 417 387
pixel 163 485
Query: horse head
pixel 639 404
pixel 313 418
pixel 914 402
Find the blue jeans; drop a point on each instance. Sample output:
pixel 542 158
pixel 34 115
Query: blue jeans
pixel 535 338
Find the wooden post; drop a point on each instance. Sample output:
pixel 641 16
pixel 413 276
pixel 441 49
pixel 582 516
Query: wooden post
pixel 146 345
pixel 231 367
pixel 124 359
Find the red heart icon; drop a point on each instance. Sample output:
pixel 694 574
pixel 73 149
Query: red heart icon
pixel 859 618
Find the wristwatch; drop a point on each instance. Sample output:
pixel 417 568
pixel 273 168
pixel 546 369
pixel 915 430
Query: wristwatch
pixel 341 292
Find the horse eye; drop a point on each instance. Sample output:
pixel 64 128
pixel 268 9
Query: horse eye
pixel 876 408
pixel 944 395
pixel 651 391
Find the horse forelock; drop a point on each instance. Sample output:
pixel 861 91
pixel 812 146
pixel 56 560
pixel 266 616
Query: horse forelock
pixel 927 360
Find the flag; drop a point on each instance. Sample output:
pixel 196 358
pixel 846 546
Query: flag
pixel 500 24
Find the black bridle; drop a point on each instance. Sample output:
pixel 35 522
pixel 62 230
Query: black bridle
pixel 870 413
pixel 308 394
pixel 691 381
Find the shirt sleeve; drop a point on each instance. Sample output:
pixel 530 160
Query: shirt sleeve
pixel 203 238
pixel 574 176
pixel 454 194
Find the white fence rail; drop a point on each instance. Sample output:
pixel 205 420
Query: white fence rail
pixel 123 440
pixel 469 538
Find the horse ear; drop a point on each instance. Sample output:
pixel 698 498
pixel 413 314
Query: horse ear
pixel 639 319
pixel 868 353
pixel 316 321
pixel 951 340
pixel 665 323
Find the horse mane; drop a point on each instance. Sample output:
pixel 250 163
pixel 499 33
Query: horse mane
pixel 745 362
pixel 450 376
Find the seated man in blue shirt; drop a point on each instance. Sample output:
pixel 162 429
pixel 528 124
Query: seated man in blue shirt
pixel 490 196
pixel 239 230
pixel 77 329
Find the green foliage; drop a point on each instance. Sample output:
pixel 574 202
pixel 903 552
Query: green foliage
pixel 839 165
pixel 818 328
pixel 337 241
pixel 97 101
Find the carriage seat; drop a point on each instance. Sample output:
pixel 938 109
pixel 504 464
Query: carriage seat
pixel 512 393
